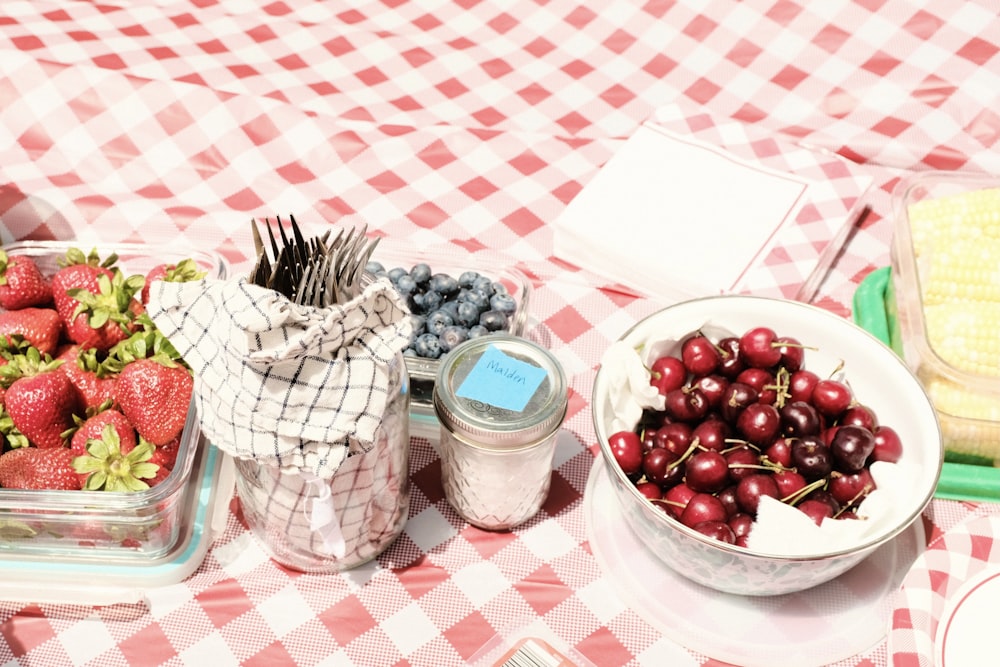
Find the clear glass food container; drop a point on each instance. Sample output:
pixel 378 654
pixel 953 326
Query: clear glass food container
pixel 322 526
pixel 422 371
pixel 98 525
pixel 945 280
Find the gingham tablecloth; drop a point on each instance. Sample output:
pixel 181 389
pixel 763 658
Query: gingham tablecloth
pixel 462 125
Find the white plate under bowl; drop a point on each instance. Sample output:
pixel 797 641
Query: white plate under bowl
pixel 938 613
pixel 830 622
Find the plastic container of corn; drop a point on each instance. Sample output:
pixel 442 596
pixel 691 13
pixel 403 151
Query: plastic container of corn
pixel 943 304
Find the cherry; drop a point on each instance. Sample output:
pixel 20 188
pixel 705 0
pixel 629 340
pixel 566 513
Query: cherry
pixel 792 353
pixel 675 437
pixel 831 397
pixel 703 507
pixel 851 447
pixel 707 471
pixel 656 465
pixel 816 510
pixel 860 415
pixel 648 439
pixel 799 418
pixel 700 356
pixel 811 457
pixel 667 373
pixel 789 483
pixel 759 423
pixel 738 395
pixel 751 488
pixel 801 384
pixel 742 462
pixel 741 523
pixel 686 404
pixel 730 364
pixel 627 449
pixel 728 498
pixel 888 445
pixel 650 490
pixel 677 498
pixel 763 381
pixel 712 434
pixel 850 489
pixel 713 387
pixel 718 530
pixel 758 348
pixel 780 452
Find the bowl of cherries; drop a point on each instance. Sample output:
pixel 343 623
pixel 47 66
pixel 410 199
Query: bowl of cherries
pixel 762 446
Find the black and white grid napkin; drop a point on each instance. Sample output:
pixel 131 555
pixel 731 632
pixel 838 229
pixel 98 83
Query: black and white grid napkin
pixel 282 384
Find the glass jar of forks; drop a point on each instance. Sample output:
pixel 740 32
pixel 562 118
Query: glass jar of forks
pixel 326 505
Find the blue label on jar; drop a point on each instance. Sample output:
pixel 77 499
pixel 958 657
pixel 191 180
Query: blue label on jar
pixel 501 381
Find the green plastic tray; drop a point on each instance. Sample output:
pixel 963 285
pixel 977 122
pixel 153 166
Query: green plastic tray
pixel 874 309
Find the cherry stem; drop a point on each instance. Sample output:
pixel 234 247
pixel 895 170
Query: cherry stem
pixel 796 497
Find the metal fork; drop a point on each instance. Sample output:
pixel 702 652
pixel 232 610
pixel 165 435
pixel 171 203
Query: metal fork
pixel 319 272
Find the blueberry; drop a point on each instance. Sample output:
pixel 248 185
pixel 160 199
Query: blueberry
pixel 452 336
pixel 406 284
pixel 493 320
pixel 478 330
pixel 451 307
pixel 395 274
pixel 484 284
pixel 499 288
pixel 428 346
pixel 432 301
pixel 421 272
pixel 443 283
pixel 438 321
pixel 375 268
pixel 468 313
pixel 503 302
pixel 467 278
pixel 476 297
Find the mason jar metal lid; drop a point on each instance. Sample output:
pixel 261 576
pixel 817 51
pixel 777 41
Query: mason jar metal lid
pixel 500 391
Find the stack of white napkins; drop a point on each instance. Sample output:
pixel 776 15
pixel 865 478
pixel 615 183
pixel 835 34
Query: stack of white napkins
pixel 679 212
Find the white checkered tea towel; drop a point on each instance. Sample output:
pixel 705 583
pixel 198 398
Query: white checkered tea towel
pixel 293 386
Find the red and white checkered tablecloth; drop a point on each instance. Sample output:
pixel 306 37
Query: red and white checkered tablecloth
pixel 462 125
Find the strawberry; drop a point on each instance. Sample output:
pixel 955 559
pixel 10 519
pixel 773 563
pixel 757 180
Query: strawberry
pixel 22 283
pixel 35 468
pixel 92 428
pixel 108 466
pixel 104 317
pixel 42 327
pixel 95 379
pixel 78 271
pixel 183 271
pixel 155 395
pixel 40 399
pixel 165 455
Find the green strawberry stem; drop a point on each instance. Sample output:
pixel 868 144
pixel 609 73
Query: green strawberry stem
pixel 108 469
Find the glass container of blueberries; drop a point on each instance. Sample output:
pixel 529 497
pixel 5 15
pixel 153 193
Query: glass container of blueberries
pixel 450 301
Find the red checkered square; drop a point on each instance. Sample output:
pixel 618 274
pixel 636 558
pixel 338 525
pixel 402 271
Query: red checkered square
pixel 347 620
pixel 469 634
pixel 26 631
pixel 543 590
pixel 273 654
pixel 149 646
pixel 567 323
pixel 224 601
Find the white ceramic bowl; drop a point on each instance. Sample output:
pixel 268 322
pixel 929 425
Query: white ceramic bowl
pixel 878 378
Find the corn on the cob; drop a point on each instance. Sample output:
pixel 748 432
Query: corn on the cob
pixel 970 421
pixel 956 241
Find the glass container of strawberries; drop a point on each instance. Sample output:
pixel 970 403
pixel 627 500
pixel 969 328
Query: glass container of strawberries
pixel 98 432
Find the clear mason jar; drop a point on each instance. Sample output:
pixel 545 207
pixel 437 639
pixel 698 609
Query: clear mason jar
pixel 321 526
pixel 501 401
